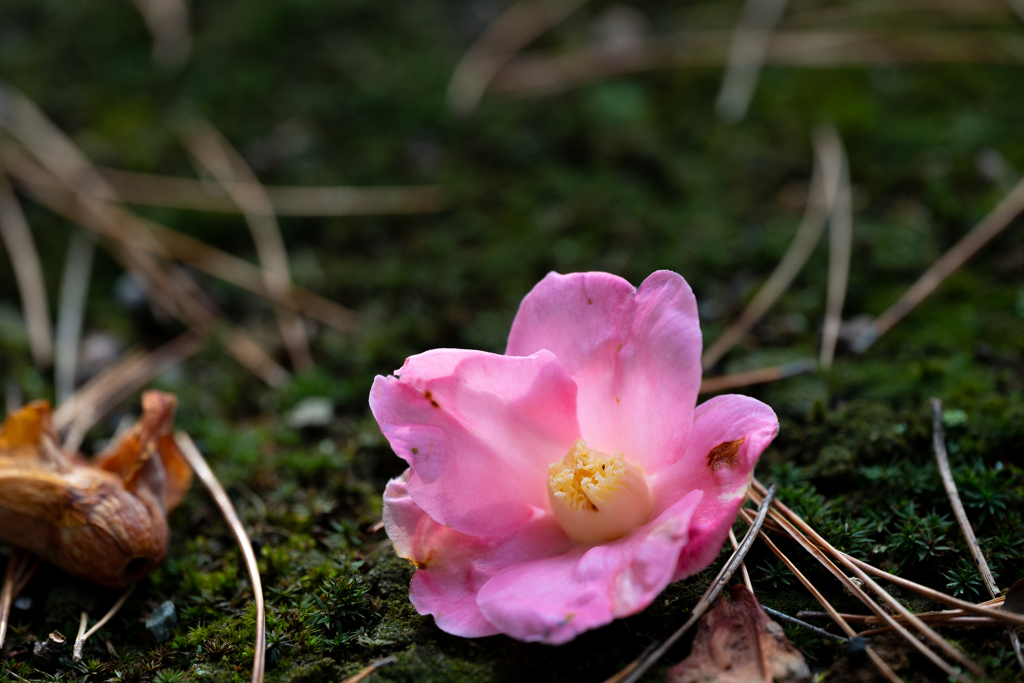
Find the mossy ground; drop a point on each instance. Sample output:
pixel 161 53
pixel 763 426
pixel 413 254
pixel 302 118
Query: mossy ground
pixel 628 176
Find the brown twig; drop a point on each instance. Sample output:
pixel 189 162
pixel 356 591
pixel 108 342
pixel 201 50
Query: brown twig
pixel 878 662
pixel 7 592
pixel 168 22
pixel 981 609
pixel 172 192
pixel 775 614
pixel 790 522
pixel 513 30
pixel 942 459
pixel 840 246
pixel 365 673
pixel 220 497
pixel 163 242
pixel 828 163
pixel 750 42
pixel 74 288
pixel 991 225
pixel 738 380
pixel 743 567
pixel 68 167
pixel 547 72
pixel 21 249
pixel 217 156
pixel 131 373
pixel 710 595
pixel 84 635
pixel 26 573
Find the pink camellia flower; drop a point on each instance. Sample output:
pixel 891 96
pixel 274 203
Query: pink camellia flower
pixel 566 483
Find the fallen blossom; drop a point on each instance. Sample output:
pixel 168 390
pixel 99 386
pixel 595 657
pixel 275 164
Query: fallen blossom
pixel 566 483
pixel 103 520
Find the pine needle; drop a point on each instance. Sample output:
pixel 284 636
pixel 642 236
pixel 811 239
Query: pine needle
pixel 513 30
pixel 216 155
pixel 739 380
pixel 28 272
pixel 173 192
pixel 227 509
pixel 84 635
pixel 991 225
pixel 939 442
pixel 706 600
pixel 825 181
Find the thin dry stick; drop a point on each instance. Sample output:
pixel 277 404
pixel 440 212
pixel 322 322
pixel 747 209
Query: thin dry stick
pixel 513 30
pixel 365 673
pixel 818 553
pixel 161 241
pixel 939 443
pixel 990 226
pixel 802 624
pixel 76 652
pixel 167 21
pixel 840 247
pixel 544 73
pixel 7 593
pixel 750 41
pixel 69 166
pixel 760 376
pixel 173 192
pixel 822 546
pixel 743 567
pixel 710 595
pixel 877 661
pixel 103 219
pixel 74 289
pixel 982 609
pixel 824 185
pixel 21 249
pixel 762 653
pixel 82 637
pixel 97 398
pixel 217 156
pixel 220 497
pixel 26 573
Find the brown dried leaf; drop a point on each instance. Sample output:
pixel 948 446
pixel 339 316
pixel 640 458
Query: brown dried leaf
pixel 736 642
pixel 1015 598
pixel 103 521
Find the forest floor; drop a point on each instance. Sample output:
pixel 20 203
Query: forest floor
pixel 627 175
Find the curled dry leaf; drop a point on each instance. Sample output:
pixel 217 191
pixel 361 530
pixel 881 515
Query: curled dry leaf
pixel 103 520
pixel 736 642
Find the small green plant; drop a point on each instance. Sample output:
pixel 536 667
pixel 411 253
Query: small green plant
pixel 964 580
pixel 774 573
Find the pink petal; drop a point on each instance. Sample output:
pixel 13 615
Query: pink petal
pixel 554 599
pixel 721 420
pixel 452 567
pixel 478 431
pixel 634 353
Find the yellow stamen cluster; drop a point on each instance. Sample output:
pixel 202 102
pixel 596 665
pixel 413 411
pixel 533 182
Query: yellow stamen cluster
pixel 597 497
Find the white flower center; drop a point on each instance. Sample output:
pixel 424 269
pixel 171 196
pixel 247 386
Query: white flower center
pixel 597 497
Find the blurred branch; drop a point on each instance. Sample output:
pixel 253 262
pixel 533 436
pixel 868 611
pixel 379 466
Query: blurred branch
pixel 555 71
pixel 516 28
pixel 825 178
pixel 74 290
pixel 21 249
pixel 750 42
pixel 991 225
pixel 187 193
pixel 217 156
pixel 168 22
